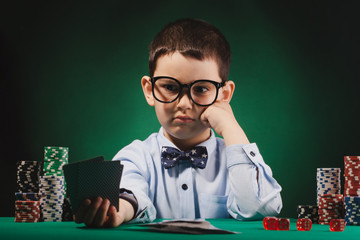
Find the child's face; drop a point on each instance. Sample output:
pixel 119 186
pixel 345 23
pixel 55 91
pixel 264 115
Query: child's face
pixel 181 118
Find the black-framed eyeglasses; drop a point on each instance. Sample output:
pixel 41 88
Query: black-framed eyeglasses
pixel 202 92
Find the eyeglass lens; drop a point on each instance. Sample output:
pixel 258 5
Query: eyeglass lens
pixel 202 92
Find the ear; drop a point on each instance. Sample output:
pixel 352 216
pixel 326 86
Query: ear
pixel 147 89
pixel 227 91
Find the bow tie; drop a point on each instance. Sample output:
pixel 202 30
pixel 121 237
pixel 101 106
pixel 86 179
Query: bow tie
pixel 197 156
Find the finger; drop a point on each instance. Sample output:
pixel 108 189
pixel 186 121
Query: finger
pixel 80 214
pixel 114 218
pixel 204 119
pixel 92 210
pixel 101 214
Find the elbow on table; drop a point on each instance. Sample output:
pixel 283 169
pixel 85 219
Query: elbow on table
pixel 258 212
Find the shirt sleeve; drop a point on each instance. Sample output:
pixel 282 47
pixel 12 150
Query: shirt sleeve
pixel 254 192
pixel 135 178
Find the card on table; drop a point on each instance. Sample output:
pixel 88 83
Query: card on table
pixel 197 226
pixel 92 178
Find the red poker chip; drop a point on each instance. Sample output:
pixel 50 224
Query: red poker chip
pixel 26 209
pixel 350 187
pixel 330 202
pixel 339 196
pixel 352 184
pixel 330 207
pixel 329 217
pixel 32 203
pixel 326 217
pixel 27 216
pixel 27 206
pixel 26 213
pixel 352 157
pixel 349 169
pixel 352 193
pixel 27 220
pixel 329 199
pixel 322 203
pixel 353 180
pixel 329 212
pixel 351 162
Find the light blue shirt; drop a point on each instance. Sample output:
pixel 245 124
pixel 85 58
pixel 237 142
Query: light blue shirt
pixel 236 182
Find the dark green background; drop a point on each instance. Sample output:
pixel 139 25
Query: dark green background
pixel 70 76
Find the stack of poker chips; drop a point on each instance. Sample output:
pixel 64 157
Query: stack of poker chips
pixel 28 176
pixel 27 205
pixel 328 181
pixel 352 190
pixel 27 211
pixel 331 206
pixel 308 211
pixel 52 183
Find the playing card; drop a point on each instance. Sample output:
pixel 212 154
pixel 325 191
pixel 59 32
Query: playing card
pixel 186 226
pixel 92 178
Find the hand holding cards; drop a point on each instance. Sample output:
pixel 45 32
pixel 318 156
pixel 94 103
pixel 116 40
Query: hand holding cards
pixel 93 178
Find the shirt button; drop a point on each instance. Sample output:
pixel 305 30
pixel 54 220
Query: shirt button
pixel 252 153
pixel 184 187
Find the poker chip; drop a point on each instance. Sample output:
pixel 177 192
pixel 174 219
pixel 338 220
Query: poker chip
pixel 328 181
pixel 352 190
pixel 41 188
pixel 54 160
pixel 27 211
pixel 27 196
pixel 352 210
pixel 52 185
pixel 308 211
pixel 52 197
pixel 331 206
pixel 27 177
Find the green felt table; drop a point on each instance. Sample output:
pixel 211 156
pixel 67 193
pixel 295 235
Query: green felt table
pixel 247 230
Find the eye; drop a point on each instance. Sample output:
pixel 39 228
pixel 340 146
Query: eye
pixel 200 89
pixel 170 87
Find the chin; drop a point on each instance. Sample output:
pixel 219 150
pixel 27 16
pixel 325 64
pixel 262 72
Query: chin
pixel 184 133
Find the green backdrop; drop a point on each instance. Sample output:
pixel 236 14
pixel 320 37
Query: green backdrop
pixel 71 77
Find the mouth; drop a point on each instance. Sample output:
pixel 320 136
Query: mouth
pixel 183 119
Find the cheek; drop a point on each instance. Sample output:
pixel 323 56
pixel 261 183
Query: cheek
pixel 164 112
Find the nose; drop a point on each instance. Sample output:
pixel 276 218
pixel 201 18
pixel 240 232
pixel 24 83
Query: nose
pixel 184 100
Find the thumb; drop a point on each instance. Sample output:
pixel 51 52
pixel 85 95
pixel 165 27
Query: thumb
pixel 115 218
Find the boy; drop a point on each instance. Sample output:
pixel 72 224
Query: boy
pixel 184 171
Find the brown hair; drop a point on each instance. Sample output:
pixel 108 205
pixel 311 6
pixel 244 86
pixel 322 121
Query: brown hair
pixel 192 38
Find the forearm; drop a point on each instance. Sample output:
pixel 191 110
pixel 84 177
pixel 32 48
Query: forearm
pixel 255 193
pixel 126 209
pixel 234 135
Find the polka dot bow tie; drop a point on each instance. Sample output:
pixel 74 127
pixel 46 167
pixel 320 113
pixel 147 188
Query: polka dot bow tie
pixel 197 156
